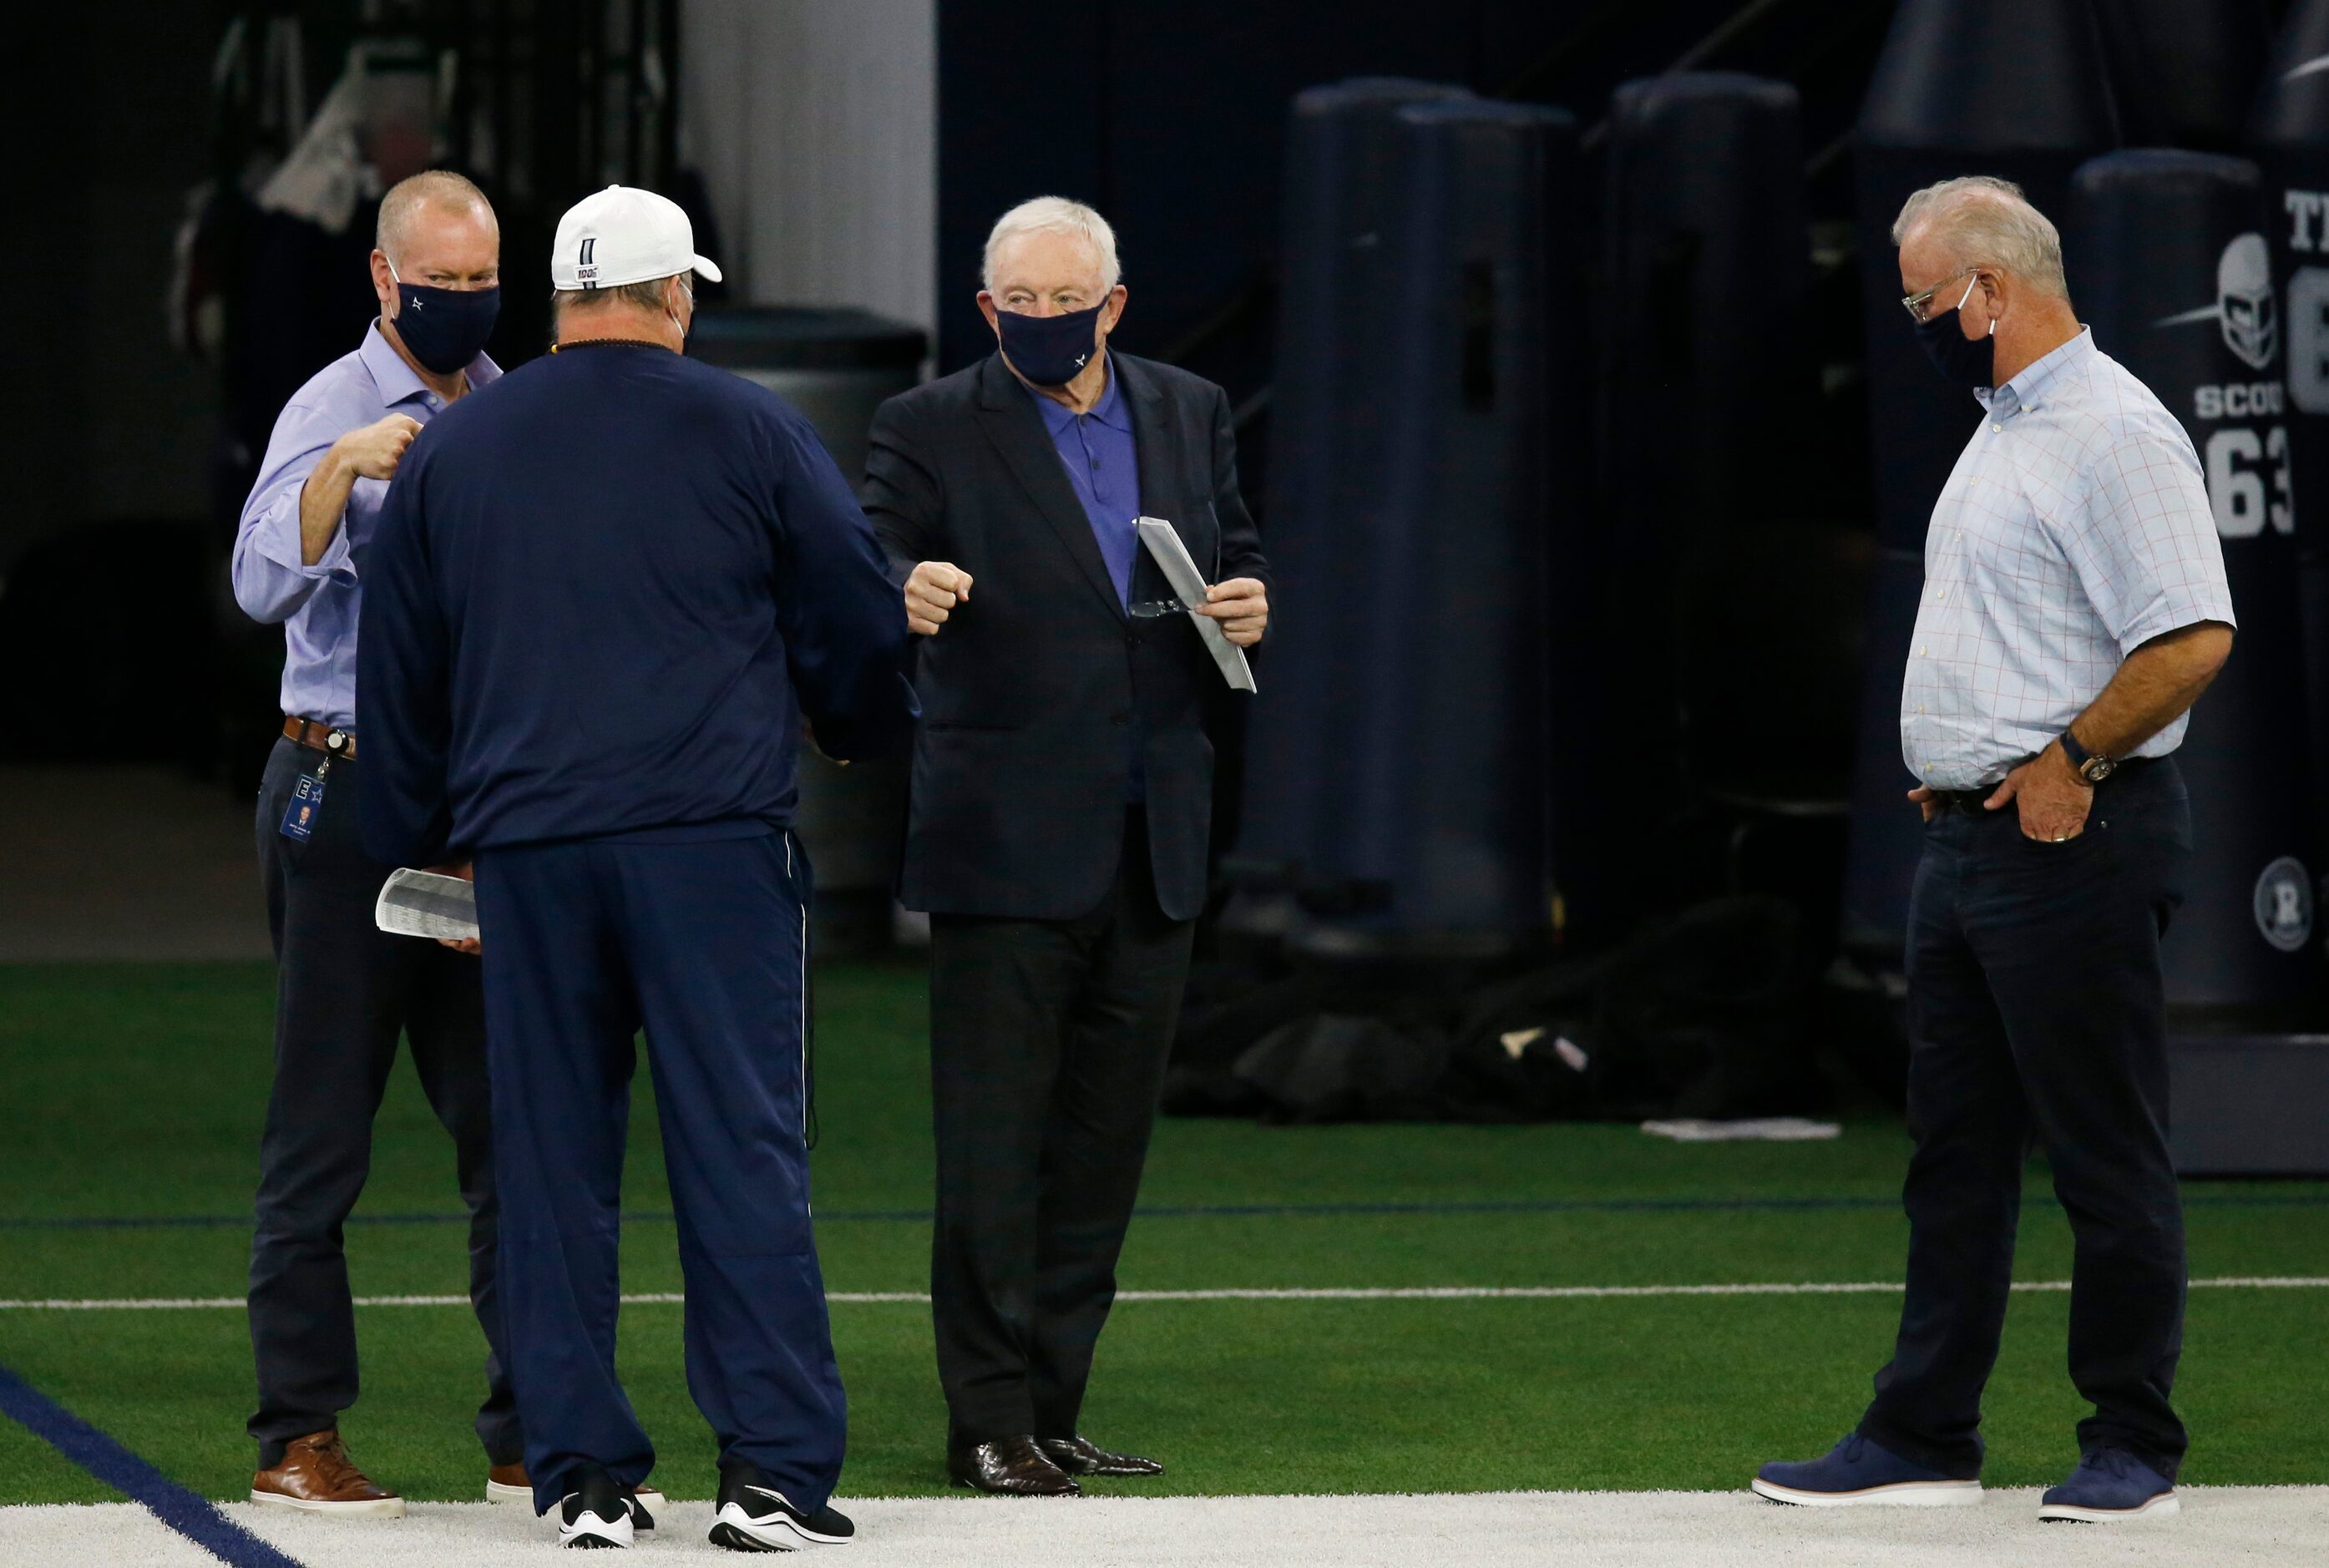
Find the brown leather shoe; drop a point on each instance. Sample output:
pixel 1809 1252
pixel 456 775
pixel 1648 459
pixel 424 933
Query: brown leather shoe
pixel 1079 1456
pixel 1012 1466
pixel 508 1484
pixel 317 1477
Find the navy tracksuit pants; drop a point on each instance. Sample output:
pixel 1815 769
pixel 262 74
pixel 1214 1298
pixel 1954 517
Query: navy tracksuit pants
pixel 701 936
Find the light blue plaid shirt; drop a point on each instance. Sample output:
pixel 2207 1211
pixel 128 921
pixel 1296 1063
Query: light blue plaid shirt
pixel 2074 528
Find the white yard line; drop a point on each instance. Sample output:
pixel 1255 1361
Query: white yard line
pixel 2220 1525
pixel 1328 1293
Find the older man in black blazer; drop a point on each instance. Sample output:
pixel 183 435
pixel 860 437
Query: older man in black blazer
pixel 1062 801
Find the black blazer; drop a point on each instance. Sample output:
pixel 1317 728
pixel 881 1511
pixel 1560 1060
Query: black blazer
pixel 1023 753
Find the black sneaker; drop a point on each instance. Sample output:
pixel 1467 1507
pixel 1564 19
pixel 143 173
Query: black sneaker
pixel 597 1514
pixel 754 1517
pixel 519 1491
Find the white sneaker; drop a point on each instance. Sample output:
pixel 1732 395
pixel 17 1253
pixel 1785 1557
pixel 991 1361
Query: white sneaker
pixel 754 1517
pixel 644 1499
pixel 596 1514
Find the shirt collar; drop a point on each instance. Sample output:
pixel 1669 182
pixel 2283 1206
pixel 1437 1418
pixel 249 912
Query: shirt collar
pixel 1109 410
pixel 2025 390
pixel 399 382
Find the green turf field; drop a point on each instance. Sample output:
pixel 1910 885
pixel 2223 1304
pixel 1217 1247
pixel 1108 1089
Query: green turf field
pixel 138 1093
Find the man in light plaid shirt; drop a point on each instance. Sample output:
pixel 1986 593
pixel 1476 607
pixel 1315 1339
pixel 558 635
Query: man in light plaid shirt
pixel 2074 609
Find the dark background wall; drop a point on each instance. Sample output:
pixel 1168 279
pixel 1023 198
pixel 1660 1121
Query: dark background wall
pixel 1168 115
pixel 104 420
pixel 126 453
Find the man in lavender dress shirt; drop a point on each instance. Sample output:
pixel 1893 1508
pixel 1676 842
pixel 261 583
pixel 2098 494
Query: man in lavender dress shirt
pixel 343 989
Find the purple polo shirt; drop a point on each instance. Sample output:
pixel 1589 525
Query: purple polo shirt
pixel 1097 452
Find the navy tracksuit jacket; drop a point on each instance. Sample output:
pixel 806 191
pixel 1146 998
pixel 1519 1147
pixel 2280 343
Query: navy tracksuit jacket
pixel 600 599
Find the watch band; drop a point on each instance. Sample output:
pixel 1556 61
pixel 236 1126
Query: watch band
pixel 2088 765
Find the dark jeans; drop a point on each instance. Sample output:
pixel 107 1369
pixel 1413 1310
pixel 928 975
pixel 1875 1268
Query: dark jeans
pixel 343 992
pixel 2035 1010
pixel 1048 1041
pixel 703 939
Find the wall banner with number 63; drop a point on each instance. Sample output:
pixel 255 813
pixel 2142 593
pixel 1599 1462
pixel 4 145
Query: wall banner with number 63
pixel 2171 266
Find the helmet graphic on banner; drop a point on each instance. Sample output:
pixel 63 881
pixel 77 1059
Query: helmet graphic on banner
pixel 2244 308
pixel 2244 300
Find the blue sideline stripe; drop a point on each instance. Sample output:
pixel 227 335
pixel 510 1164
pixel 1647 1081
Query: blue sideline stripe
pixel 189 1513
pixel 1221 1211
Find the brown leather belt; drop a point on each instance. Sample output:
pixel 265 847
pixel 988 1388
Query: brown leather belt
pixel 320 737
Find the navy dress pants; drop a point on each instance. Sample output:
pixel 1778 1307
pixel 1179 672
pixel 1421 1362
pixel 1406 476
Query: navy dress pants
pixel 344 991
pixel 703 939
pixel 2036 1013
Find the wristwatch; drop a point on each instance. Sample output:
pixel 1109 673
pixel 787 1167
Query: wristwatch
pixel 2088 767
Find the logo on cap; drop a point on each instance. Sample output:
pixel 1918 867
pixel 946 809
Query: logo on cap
pixel 585 269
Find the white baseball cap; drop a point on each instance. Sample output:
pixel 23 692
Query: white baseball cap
pixel 624 235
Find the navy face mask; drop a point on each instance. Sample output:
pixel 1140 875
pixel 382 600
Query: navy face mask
pixel 1967 361
pixel 1049 351
pixel 445 328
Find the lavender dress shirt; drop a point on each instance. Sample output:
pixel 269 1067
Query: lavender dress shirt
pixel 318 604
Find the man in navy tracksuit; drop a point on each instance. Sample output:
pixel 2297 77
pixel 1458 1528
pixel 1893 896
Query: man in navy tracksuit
pixel 598 606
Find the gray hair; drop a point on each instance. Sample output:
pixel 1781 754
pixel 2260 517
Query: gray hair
pixel 644 294
pixel 1985 222
pixel 439 188
pixel 1053 215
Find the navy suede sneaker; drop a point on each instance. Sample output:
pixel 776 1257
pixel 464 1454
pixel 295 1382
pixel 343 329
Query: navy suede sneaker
pixel 2110 1485
pixel 1857 1471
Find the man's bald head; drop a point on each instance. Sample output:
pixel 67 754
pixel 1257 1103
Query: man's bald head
pixel 409 203
pixel 437 230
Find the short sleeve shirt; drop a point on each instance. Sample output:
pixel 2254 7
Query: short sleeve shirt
pixel 2074 528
